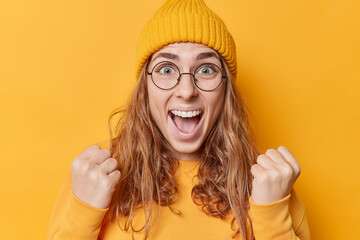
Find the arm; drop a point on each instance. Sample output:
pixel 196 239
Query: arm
pixel 84 196
pixel 72 218
pixel 284 219
pixel 275 210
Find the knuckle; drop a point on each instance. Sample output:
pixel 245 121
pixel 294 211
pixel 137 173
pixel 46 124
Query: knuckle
pixel 80 166
pixel 106 183
pixel 75 164
pixel 77 161
pixel 274 174
pixel 87 165
pixel 263 178
pixel 93 175
pixel 103 182
pixel 288 171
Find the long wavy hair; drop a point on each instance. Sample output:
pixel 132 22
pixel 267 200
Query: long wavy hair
pixel 147 163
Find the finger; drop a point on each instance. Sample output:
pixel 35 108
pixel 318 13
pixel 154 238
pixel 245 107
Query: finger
pixel 279 160
pixel 100 156
pixel 266 162
pixel 109 165
pixel 289 157
pixel 115 176
pixel 88 152
pixel 275 155
pixel 257 170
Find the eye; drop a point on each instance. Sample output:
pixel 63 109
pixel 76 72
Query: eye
pixel 165 70
pixel 208 69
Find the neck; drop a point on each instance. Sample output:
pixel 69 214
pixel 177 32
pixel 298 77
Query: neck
pixel 195 156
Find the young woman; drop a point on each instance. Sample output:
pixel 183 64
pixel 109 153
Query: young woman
pixel 183 163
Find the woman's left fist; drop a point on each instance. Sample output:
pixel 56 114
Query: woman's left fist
pixel 274 175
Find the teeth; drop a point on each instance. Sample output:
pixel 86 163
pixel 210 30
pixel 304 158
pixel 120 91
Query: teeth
pixel 185 114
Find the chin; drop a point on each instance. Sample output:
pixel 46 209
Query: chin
pixel 186 149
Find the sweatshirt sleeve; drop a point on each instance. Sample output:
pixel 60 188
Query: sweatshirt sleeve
pixel 284 219
pixel 73 219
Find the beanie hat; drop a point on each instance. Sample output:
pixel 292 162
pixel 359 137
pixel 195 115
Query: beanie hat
pixel 185 21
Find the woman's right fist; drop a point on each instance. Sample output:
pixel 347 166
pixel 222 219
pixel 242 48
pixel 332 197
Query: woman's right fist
pixel 94 176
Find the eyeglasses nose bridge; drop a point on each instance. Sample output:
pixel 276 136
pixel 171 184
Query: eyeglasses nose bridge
pixel 193 75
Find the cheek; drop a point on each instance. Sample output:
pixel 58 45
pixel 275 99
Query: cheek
pixel 157 105
pixel 216 111
pixel 153 98
pixel 153 106
pixel 215 104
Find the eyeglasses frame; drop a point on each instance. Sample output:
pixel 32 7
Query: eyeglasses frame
pixel 180 74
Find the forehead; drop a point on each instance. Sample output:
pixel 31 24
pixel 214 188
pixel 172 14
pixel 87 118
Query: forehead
pixel 185 50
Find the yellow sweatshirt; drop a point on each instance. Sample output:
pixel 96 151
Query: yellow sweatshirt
pixel 73 219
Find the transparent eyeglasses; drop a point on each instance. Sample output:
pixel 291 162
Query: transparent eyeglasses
pixel 166 75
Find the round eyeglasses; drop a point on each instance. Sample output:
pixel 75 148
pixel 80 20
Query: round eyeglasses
pixel 166 75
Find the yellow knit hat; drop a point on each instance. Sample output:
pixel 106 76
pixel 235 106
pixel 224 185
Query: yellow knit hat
pixel 185 21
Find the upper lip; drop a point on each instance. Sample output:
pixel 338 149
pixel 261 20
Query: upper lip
pixel 185 109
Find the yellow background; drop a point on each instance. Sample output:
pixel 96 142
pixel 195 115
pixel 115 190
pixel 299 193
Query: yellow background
pixel 65 65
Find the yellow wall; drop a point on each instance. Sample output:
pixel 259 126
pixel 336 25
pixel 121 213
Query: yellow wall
pixel 65 65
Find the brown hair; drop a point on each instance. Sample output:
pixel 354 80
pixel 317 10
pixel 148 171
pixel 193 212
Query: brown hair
pixel 147 163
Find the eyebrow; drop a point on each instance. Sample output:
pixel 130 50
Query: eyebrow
pixel 201 56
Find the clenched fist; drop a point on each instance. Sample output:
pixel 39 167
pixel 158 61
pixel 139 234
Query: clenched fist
pixel 94 176
pixel 274 175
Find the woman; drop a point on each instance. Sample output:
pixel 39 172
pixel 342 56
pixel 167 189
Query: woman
pixel 183 163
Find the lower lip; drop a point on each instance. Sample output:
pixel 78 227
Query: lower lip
pixel 186 136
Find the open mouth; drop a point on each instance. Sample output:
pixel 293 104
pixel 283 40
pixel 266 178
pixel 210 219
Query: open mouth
pixel 186 121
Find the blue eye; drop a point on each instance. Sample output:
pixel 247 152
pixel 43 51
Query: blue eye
pixel 166 70
pixel 206 70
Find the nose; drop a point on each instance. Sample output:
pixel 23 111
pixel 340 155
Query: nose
pixel 186 88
